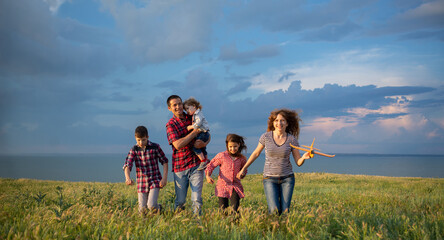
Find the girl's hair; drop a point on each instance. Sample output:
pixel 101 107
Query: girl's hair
pixel 290 116
pixel 237 139
pixel 192 102
pixel 141 131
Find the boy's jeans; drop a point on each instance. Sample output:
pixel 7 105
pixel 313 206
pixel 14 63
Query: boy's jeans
pixel 279 191
pixel 193 178
pixel 149 199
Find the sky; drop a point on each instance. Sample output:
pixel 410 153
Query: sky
pixel 78 76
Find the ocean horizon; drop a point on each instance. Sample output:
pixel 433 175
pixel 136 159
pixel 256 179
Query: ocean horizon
pixel 108 167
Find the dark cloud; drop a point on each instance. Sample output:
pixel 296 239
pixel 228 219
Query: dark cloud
pixel 238 88
pixel 162 31
pixel 35 42
pixel 296 16
pixel 330 101
pixel 438 35
pixel 286 76
pixel 231 53
pixel 427 16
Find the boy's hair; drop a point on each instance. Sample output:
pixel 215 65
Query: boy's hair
pixel 290 116
pixel 141 132
pixel 171 98
pixel 231 137
pixel 192 102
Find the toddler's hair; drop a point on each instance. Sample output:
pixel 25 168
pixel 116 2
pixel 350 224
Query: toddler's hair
pixel 141 132
pixel 231 137
pixel 192 102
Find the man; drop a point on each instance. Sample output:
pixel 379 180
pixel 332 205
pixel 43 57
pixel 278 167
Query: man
pixel 185 162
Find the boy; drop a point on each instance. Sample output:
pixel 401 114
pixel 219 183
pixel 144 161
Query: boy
pixel 145 154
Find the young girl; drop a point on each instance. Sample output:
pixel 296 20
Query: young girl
pixel 231 162
pixel 193 107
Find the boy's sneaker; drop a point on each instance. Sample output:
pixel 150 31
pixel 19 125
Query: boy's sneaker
pixel 157 210
pixel 202 165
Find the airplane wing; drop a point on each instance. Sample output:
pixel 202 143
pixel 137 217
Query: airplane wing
pixel 323 154
pixel 299 148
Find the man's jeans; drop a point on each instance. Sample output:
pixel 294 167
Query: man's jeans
pixel 194 179
pixel 279 191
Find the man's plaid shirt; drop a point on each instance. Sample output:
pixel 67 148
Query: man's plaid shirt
pixel 183 158
pixel 147 168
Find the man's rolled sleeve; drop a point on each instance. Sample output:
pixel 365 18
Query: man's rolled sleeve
pixel 172 134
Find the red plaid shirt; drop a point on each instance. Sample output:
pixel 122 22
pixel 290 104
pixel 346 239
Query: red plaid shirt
pixel 147 169
pixel 183 158
pixel 227 180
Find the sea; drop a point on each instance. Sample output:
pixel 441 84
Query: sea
pixel 108 167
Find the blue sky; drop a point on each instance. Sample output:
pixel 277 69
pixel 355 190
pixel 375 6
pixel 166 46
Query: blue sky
pixel 78 76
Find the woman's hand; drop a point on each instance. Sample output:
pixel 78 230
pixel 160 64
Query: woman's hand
pixel 241 174
pixel 306 155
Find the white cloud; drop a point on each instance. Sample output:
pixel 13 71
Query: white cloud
pixel 433 134
pixel 401 106
pixel 30 127
pixel 402 123
pixel 54 5
pixel 326 126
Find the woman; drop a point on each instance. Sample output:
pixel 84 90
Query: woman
pixel 283 129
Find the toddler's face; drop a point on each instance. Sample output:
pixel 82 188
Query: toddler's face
pixel 233 147
pixel 141 142
pixel 190 109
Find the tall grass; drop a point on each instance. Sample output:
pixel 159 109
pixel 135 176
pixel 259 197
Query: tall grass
pixel 324 206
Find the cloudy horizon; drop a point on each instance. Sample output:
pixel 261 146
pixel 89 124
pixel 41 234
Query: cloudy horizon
pixel 365 76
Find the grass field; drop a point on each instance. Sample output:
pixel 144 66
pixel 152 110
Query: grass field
pixel 324 206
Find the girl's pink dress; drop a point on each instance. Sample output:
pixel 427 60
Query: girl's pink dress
pixel 227 180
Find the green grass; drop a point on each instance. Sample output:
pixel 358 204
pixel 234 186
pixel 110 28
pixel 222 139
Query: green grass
pixel 324 206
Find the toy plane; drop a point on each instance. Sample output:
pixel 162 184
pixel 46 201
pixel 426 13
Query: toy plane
pixel 311 150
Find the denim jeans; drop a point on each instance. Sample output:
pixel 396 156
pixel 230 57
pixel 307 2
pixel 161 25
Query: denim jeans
pixel 149 199
pixel 193 178
pixel 278 191
pixel 204 136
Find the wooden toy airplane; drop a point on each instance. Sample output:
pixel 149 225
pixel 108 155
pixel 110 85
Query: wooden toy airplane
pixel 311 150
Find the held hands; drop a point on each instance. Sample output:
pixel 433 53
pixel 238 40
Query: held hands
pixel 241 174
pixel 163 182
pixel 190 127
pixel 210 180
pixel 129 181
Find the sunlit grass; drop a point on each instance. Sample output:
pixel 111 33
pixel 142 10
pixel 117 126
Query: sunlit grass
pixel 324 206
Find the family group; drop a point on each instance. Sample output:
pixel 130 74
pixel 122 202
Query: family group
pixel 188 134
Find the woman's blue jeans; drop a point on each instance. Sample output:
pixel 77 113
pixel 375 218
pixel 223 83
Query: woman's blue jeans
pixel 278 191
